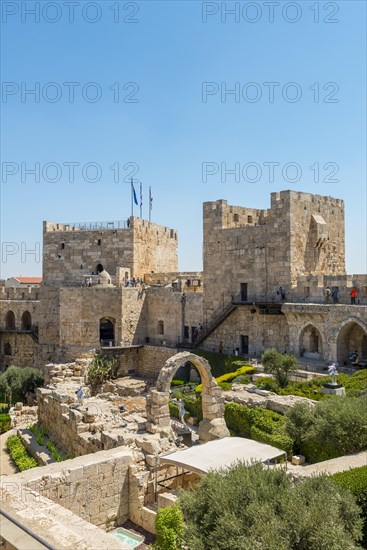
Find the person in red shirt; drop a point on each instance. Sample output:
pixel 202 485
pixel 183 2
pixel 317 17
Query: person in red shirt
pixel 353 295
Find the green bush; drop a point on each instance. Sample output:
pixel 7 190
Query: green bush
pixel 258 424
pixel 19 453
pixel 279 364
pixel 355 481
pixel 278 440
pixel 177 382
pixel 16 382
pixel 5 423
pixel 39 432
pixel 169 526
pixel 229 376
pixel 100 369
pixel 331 428
pixel 248 508
pixel 226 386
pixel 242 379
pixel 355 385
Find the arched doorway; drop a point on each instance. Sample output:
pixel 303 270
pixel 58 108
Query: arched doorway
pixel 7 349
pixel 352 337
pixel 213 425
pixel 106 332
pixel 99 269
pixel 10 320
pixel 310 343
pixel 26 321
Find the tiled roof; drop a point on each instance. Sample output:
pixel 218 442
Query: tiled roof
pixel 29 280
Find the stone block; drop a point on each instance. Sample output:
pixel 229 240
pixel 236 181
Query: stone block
pixel 297 460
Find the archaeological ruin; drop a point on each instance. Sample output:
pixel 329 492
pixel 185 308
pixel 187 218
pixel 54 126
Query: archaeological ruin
pixel 115 289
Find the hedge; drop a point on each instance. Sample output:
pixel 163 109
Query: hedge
pixel 258 424
pixel 5 423
pixel 229 376
pixel 219 362
pixel 19 453
pixel 355 480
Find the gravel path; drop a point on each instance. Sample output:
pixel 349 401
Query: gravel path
pixel 331 466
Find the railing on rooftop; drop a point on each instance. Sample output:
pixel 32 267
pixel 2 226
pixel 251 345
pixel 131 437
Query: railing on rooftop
pixel 94 226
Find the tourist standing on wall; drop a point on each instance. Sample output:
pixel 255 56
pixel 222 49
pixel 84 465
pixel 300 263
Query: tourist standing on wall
pixel 353 296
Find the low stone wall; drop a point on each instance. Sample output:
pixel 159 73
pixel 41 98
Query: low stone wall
pixel 265 399
pixel 55 373
pixel 59 527
pixel 152 359
pixel 96 487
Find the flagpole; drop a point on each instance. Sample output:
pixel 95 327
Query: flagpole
pixel 150 203
pixel 141 199
pixel 132 199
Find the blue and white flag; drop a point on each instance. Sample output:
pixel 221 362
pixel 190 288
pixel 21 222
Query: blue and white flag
pixel 133 193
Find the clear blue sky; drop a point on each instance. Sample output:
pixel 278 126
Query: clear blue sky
pixel 170 131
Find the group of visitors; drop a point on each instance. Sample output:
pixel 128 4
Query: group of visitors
pixel 87 281
pixel 334 294
pixel 134 281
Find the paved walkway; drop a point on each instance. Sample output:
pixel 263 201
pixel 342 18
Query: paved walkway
pixel 7 466
pixel 330 466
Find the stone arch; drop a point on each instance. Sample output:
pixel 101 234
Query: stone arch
pixel 10 320
pixel 311 342
pixel 351 337
pixel 213 425
pixel 26 321
pixel 99 268
pixel 106 330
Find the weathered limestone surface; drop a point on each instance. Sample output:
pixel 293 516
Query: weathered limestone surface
pixel 268 400
pixel 213 425
pixel 95 488
pixel 55 524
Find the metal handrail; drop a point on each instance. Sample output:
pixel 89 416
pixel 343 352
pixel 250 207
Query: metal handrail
pixel 94 226
pixel 27 530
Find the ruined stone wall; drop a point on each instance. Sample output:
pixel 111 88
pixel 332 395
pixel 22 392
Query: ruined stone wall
pixel 263 331
pixel 95 488
pixel 70 253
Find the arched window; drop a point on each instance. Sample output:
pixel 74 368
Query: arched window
pixel 106 332
pixel 26 321
pixel 99 268
pixel 10 320
pixel 7 349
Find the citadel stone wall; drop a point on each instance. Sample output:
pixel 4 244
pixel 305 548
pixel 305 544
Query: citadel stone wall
pixel 301 234
pixel 71 253
pixel 262 332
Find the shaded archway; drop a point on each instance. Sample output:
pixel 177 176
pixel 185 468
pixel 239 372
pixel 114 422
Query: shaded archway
pixel 310 343
pixel 26 321
pixel 213 425
pixel 352 337
pixel 106 331
pixel 99 269
pixel 10 320
pixel 7 349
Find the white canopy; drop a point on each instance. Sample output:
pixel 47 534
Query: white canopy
pixel 221 453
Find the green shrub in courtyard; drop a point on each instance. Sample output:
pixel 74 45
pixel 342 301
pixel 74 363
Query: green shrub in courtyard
pixel 279 364
pixel 355 481
pixel 5 423
pixel 329 429
pixel 16 382
pixel 169 528
pixel 19 453
pixel 247 508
